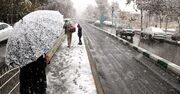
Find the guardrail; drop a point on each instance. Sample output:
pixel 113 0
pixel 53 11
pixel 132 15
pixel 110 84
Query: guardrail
pixel 9 78
pixel 9 81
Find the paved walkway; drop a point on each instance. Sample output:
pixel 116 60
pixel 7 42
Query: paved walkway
pixel 69 71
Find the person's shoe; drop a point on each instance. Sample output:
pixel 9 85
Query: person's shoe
pixel 80 43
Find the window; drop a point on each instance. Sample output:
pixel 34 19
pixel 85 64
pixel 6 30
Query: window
pixel 3 26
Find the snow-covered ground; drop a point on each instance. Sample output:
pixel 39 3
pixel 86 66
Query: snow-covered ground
pixel 69 71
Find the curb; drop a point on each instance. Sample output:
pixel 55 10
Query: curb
pixel 159 60
pixel 88 61
pixel 93 66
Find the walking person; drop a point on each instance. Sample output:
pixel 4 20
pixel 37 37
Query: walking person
pixel 69 36
pixel 79 34
pixel 69 30
pixel 65 26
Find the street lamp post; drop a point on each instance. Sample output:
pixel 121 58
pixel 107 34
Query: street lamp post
pixel 112 15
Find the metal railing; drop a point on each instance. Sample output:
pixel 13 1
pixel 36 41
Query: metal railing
pixel 9 81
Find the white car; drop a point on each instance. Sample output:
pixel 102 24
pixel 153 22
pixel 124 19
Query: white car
pixel 108 23
pixel 5 31
pixel 153 32
pixel 97 21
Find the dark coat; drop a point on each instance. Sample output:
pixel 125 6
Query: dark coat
pixel 65 26
pixel 79 30
pixel 33 77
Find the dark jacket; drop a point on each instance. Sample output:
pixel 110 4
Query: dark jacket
pixel 65 27
pixel 33 77
pixel 79 30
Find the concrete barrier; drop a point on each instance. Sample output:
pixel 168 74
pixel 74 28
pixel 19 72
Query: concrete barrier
pixel 56 45
pixel 159 60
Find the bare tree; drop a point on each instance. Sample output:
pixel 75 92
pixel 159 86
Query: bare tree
pixel 165 9
pixel 13 10
pixel 91 12
pixel 63 6
pixel 103 8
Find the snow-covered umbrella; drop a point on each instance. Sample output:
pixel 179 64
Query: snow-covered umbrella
pixel 33 36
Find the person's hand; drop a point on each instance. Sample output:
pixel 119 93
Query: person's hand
pixel 47 59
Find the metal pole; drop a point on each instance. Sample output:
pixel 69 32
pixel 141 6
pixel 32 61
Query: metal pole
pixel 141 15
pixel 141 19
pixel 112 15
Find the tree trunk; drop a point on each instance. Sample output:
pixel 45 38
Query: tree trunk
pixel 179 24
pixel 149 19
pixel 166 24
pixel 141 19
pixel 160 22
pixel 161 17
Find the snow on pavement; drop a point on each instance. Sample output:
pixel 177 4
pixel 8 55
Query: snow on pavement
pixel 69 71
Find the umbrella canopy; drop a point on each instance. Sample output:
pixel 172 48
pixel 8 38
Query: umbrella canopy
pixel 33 36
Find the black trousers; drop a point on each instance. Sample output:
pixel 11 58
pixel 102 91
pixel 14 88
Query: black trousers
pixel 80 38
pixel 33 78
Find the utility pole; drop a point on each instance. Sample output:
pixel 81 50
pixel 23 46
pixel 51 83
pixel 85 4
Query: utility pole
pixel 141 15
pixel 112 15
pixel 141 19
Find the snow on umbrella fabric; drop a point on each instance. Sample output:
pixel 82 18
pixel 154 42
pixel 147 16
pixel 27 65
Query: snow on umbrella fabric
pixel 33 36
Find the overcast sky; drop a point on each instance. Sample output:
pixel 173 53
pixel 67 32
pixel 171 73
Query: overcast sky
pixel 80 5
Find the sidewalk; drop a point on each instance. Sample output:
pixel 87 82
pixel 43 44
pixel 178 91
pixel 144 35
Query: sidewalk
pixel 69 71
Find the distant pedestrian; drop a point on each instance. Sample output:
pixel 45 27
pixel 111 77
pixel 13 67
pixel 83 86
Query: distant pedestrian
pixel 79 34
pixel 70 29
pixel 69 37
pixel 65 26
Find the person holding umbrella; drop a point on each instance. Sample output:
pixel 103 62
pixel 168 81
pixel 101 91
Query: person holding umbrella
pixel 67 26
pixel 33 76
pixel 70 29
pixel 32 38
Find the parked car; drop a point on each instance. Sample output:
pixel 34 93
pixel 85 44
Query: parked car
pixel 108 23
pixel 5 31
pixel 97 23
pixel 176 37
pixel 153 32
pixel 127 31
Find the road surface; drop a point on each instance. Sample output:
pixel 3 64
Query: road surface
pixel 117 69
pixel 165 50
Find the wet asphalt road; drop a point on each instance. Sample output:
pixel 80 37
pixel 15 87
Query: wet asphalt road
pixel 117 69
pixel 165 50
